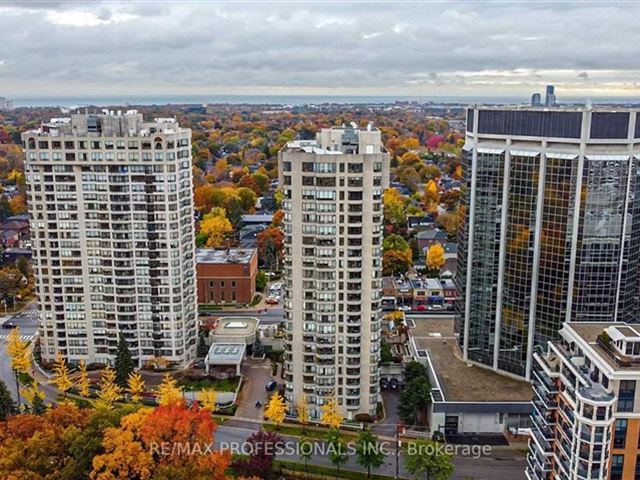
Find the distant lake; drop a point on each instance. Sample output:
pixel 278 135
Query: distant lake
pixel 121 100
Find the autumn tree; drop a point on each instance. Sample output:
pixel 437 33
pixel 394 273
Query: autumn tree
pixel 135 386
pixel 82 380
pixel 110 392
pixel 431 196
pixel 302 413
pixel 263 446
pixel 435 257
pixel 18 352
pixel 330 415
pixel 397 256
pixel 270 246
pixel 131 450
pixel 207 399
pixel 276 409
pixel 61 377
pixel 215 228
pixel 168 391
pixel 393 208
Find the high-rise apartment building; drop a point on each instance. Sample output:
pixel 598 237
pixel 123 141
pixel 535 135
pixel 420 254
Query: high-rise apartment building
pixel 552 228
pixel 111 205
pixel 586 407
pixel 333 267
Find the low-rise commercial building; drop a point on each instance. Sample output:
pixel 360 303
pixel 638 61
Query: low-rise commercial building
pixel 226 276
pixel 586 408
pixel 465 398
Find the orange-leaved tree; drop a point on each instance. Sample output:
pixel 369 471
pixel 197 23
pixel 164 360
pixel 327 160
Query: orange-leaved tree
pixel 171 441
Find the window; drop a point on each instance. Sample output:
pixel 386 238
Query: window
pixel 617 464
pixel 212 284
pixel 222 284
pixel 626 395
pixel 233 284
pixel 620 433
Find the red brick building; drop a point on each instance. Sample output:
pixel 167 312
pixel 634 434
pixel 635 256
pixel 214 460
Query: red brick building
pixel 226 275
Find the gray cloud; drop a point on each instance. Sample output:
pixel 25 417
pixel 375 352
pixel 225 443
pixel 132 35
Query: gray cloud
pixel 84 48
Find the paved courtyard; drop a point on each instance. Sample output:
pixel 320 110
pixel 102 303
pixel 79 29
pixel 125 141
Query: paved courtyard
pixel 257 374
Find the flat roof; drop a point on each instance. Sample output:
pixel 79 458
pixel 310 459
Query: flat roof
pixel 226 353
pixel 589 332
pixel 221 256
pixel 235 326
pixel 459 381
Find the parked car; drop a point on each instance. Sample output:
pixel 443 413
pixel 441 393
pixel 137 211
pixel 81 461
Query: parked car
pixel 384 383
pixel 419 308
pixel 271 386
pixel 9 325
pixel 271 300
pixel 404 308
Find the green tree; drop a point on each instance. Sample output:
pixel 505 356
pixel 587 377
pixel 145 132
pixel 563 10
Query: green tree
pixel 337 449
pixel 261 280
pixel 124 363
pixel 22 264
pixel 368 451
pixel 413 370
pixel 38 406
pixel 427 459
pixel 203 348
pixel 7 405
pixel 306 449
pixel 414 400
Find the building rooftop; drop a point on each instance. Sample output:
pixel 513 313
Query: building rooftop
pixel 264 218
pixel 234 327
pixel 108 123
pixel 621 350
pixel 226 353
pixel 459 381
pixel 222 256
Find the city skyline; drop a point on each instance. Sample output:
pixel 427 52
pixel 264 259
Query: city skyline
pixel 428 48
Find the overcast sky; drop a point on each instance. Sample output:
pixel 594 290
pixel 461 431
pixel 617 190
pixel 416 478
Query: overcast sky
pixel 360 47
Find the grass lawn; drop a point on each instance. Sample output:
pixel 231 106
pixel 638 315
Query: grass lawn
pixel 296 431
pixel 327 471
pixel 228 385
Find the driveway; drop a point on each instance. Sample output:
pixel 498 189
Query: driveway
pixel 257 374
pixel 387 427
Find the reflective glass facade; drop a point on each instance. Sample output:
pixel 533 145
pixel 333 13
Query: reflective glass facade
pixel 552 229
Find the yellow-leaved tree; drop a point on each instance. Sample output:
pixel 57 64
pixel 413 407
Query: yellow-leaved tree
pixel 330 415
pixel 109 392
pixel 207 399
pixel 435 256
pixel 135 386
pixel 32 392
pixel 215 226
pixel 61 377
pixel 82 382
pixel 168 391
pixel 18 351
pixel 302 413
pixel 276 409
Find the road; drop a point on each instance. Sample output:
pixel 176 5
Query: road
pixel 27 320
pixel 500 464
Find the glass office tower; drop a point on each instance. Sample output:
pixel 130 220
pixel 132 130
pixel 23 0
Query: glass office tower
pixel 551 230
